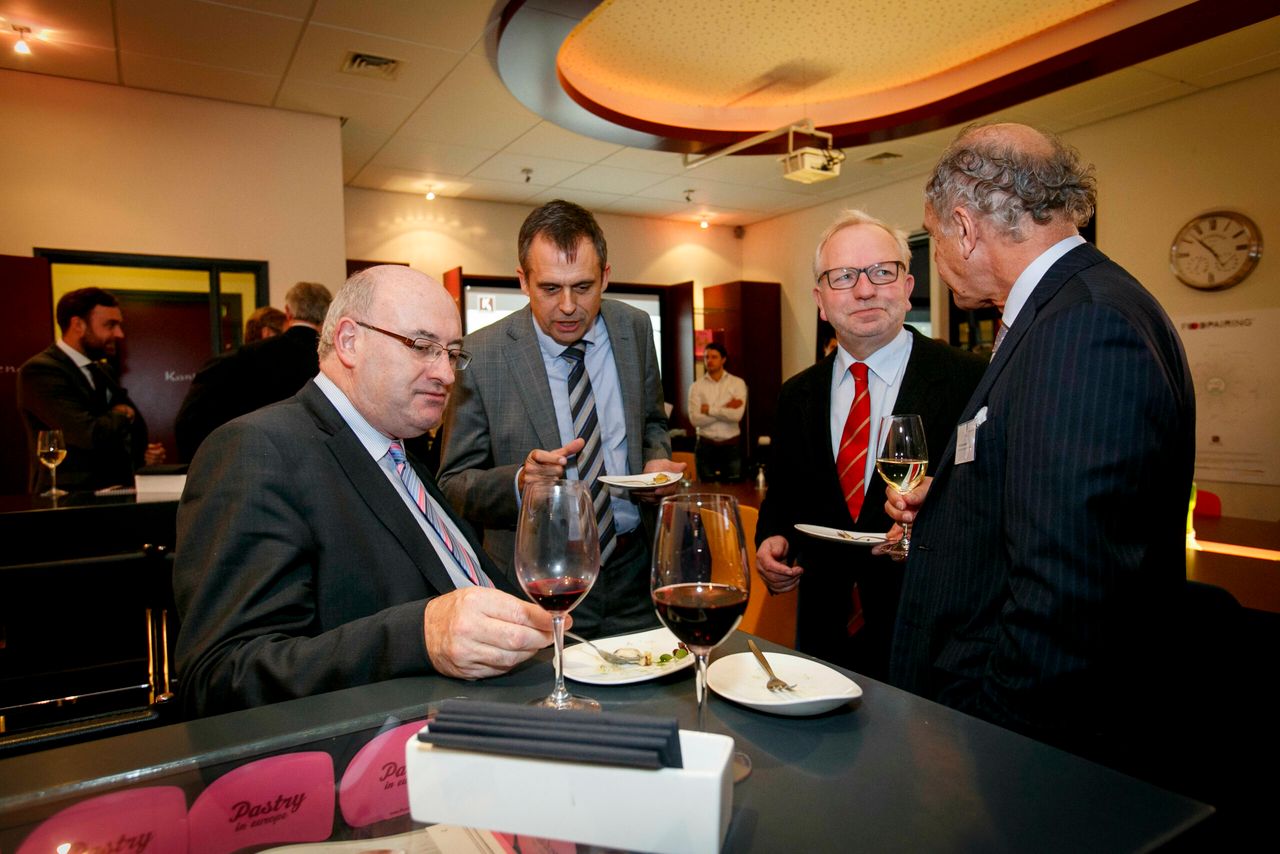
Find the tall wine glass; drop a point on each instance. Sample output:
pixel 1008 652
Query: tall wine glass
pixel 701 579
pixel 557 560
pixel 51 450
pixel 902 461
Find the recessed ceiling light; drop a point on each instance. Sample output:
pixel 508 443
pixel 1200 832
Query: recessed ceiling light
pixel 704 223
pixel 431 195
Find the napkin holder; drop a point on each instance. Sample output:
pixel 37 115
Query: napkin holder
pixel 665 810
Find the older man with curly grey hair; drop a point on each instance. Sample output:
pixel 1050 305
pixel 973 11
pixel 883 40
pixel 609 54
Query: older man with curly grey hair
pixel 1047 562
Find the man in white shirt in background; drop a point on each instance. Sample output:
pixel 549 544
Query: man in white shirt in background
pixel 717 403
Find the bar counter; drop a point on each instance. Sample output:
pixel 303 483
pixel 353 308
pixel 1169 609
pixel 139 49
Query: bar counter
pixel 892 773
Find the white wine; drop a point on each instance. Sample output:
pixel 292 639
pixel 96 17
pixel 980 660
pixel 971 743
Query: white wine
pixel 52 456
pixel 902 475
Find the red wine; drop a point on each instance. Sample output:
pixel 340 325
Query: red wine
pixel 557 594
pixel 700 614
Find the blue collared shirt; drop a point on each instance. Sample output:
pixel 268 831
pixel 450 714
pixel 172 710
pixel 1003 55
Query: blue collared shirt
pixel 377 444
pixel 603 371
pixel 1030 277
pixel 885 369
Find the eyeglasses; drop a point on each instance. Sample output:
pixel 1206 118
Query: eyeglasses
pixel 843 278
pixel 426 348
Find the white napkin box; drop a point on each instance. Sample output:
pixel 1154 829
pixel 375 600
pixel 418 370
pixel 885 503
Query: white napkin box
pixel 665 810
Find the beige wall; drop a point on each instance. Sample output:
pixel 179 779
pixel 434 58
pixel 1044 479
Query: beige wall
pixel 105 168
pixel 1156 169
pixel 481 238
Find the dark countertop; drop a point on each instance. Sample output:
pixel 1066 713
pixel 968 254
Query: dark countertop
pixel 894 773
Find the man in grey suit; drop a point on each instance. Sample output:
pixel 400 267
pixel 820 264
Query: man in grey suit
pixel 1047 562
pixel 313 553
pixel 522 411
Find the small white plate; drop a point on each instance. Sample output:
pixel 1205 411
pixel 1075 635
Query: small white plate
pixel 649 480
pixel 740 678
pixel 853 538
pixel 581 664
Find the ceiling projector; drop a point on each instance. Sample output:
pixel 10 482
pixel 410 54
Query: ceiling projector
pixel 810 165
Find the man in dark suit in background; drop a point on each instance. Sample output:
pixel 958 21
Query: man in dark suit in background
pixel 512 417
pixel 313 554
pixel 848 597
pixel 1047 562
pixel 259 373
pixel 71 387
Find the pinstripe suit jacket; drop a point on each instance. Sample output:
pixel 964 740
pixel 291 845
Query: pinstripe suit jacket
pixel 1043 574
pixel 501 409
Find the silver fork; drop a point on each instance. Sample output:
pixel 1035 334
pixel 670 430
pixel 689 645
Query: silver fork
pixel 774 683
pixel 609 657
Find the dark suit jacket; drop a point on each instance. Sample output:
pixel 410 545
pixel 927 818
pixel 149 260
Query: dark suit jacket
pixel 1043 574
pixel 803 487
pixel 244 380
pixel 501 408
pixel 298 569
pixel 103 446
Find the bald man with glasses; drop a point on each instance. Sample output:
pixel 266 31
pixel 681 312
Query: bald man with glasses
pixel 314 553
pixel 824 451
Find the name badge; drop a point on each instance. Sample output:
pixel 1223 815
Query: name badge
pixel 967 437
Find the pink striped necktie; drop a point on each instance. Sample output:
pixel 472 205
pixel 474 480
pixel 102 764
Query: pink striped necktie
pixel 419 492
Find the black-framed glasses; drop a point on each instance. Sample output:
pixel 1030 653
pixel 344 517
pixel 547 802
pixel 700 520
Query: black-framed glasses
pixel 426 348
pixel 843 278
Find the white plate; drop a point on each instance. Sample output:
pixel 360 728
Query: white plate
pixel 649 480
pixel 853 538
pixel 581 664
pixel 740 678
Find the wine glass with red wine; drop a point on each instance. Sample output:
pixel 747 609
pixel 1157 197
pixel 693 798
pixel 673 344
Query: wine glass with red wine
pixel 701 580
pixel 557 560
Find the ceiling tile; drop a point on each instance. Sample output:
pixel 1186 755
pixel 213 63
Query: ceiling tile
pixel 646 161
pixel 189 78
pixel 207 33
pixel 471 107
pixel 492 191
pixel 1111 94
pixel 63 23
pixel 64 60
pixel 724 195
pixel 298 9
pixel 457 24
pixel 383 113
pixel 640 206
pixel 751 169
pixel 507 167
pixel 358 148
pixel 420 155
pixel 592 201
pixel 548 140
pixel 1251 50
pixel 375 177
pixel 323 50
pixel 607 179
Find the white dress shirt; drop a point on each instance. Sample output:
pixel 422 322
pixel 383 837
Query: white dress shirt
pixel 885 368
pixel 721 421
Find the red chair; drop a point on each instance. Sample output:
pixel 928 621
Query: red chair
pixel 1208 505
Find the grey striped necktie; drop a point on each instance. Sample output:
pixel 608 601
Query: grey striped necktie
pixel 586 426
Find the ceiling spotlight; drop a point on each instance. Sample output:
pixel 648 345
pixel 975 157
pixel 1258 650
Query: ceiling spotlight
pixel 688 195
pixel 704 223
pixel 527 173
pixel 431 195
pixel 22 47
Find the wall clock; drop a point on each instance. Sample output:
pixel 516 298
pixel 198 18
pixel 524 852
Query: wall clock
pixel 1216 250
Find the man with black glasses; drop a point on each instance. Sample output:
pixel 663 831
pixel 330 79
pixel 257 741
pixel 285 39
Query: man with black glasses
pixel 313 553
pixel 825 447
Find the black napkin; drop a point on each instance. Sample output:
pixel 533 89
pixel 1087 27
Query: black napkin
pixel 601 738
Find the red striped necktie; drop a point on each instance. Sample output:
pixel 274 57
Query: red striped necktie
pixel 418 491
pixel 851 461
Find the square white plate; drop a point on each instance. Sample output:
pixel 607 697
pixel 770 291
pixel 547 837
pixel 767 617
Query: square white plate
pixel 818 688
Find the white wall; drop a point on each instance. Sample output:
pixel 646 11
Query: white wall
pixel 105 168
pixel 1156 169
pixel 481 238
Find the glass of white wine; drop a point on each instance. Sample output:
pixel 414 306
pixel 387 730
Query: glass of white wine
pixel 51 450
pixel 902 461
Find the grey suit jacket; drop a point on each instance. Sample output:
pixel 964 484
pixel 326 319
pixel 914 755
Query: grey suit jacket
pixel 1044 574
pixel 501 408
pixel 299 569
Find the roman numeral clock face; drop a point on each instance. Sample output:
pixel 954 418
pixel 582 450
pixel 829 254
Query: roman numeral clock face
pixel 1216 250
